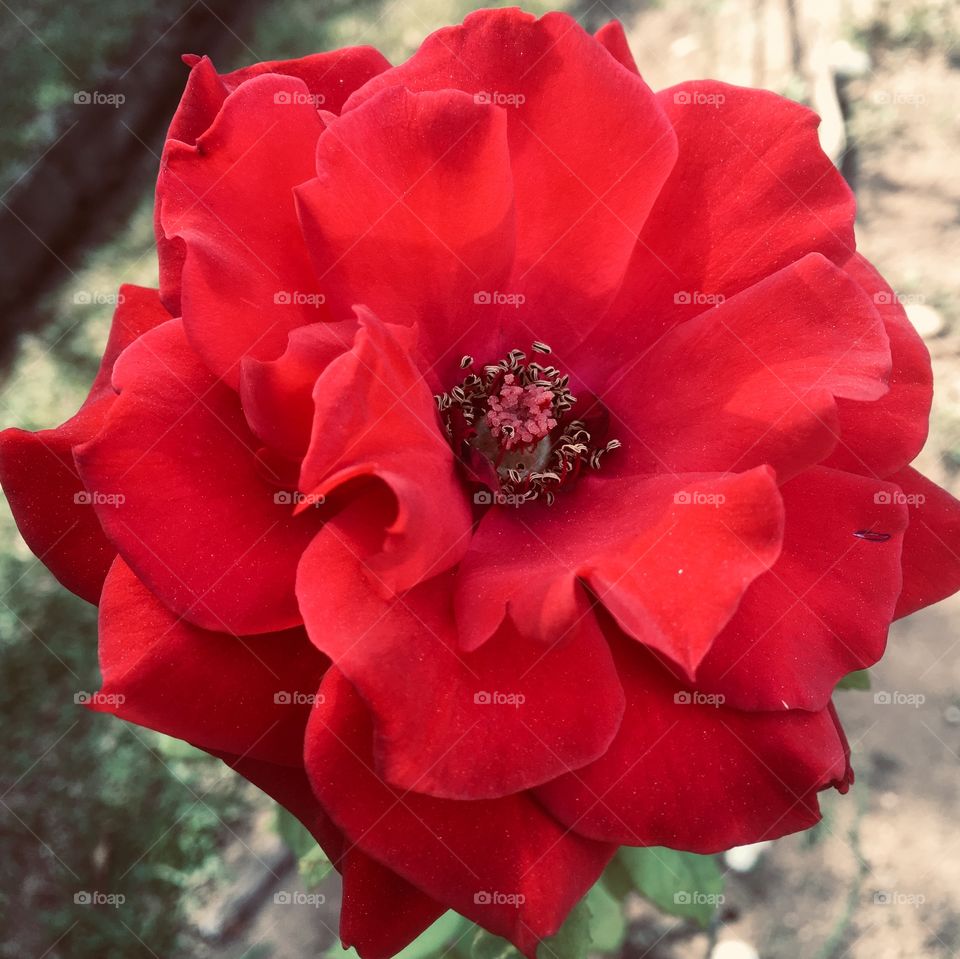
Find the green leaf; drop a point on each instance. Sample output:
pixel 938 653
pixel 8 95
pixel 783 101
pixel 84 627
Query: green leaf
pixel 314 867
pixel 485 945
pixel 294 833
pixel 617 879
pixel 573 940
pixel 432 941
pixel 608 926
pixel 860 679
pixel 679 883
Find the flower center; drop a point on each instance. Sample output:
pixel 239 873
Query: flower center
pixel 513 426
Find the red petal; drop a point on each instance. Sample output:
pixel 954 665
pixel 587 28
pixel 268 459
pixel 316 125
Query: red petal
pixel 277 395
pixel 40 479
pixel 751 192
pixel 503 863
pixel 247 279
pixel 515 713
pixel 698 777
pixel 375 416
pixel 381 913
pixel 647 548
pixel 931 545
pixel 823 610
pixel 754 380
pixel 250 697
pixel 290 787
pixel 879 438
pixel 197 522
pixel 412 215
pixel 330 78
pixel 611 36
pixel 590 149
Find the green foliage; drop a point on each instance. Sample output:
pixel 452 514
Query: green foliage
pixel 860 679
pixel 93 809
pixel 679 883
pixel 446 932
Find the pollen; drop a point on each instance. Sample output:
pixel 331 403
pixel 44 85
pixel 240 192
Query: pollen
pixel 520 415
pixel 517 416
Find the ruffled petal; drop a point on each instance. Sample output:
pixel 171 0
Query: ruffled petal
pixel 247 696
pixel 330 78
pixel 381 913
pixel 824 608
pixel 516 713
pixel 504 863
pixel 754 380
pixel 277 395
pixel 412 215
pixel 52 508
pixel 375 417
pixel 689 774
pixel 590 150
pixel 931 545
pixel 647 549
pixel 184 498
pixel 612 37
pixel 247 279
pixel 881 437
pixel 751 192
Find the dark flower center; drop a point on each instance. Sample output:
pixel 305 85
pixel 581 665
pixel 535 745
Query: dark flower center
pixel 515 429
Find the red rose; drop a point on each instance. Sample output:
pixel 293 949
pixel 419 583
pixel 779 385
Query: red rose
pixel 510 465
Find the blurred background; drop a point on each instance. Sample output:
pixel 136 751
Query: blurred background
pixel 117 842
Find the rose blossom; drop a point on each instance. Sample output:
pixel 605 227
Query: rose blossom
pixel 509 466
